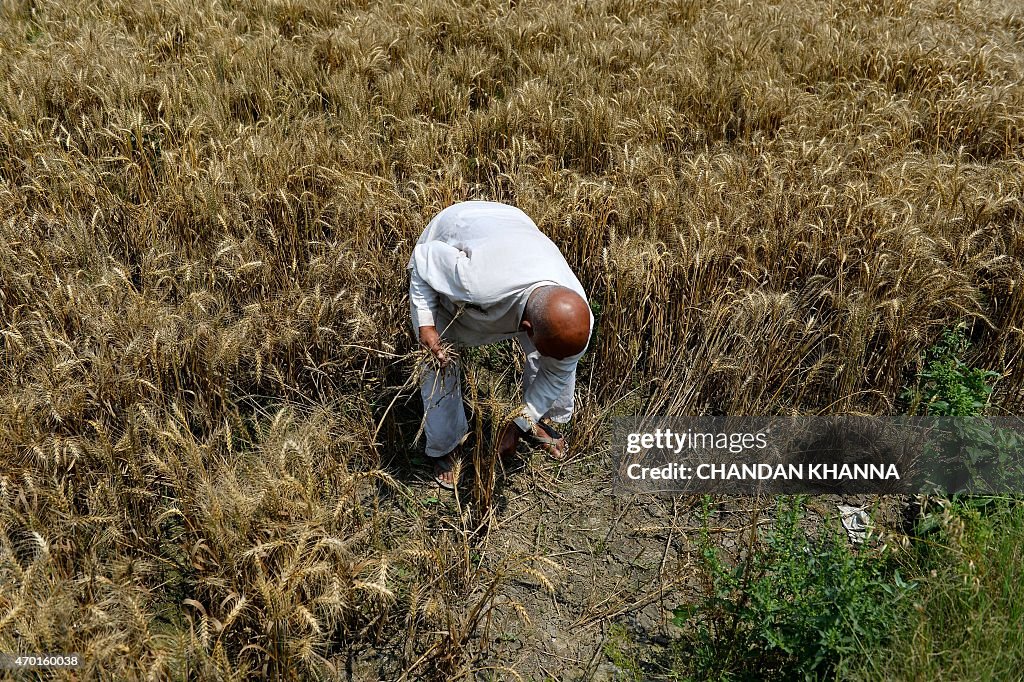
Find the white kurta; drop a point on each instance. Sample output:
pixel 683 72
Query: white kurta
pixel 471 273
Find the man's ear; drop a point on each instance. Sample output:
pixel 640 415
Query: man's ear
pixel 526 327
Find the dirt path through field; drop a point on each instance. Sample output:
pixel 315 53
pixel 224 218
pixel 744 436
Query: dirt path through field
pixel 624 560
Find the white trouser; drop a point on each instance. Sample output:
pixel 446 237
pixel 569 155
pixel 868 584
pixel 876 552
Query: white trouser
pixel 445 417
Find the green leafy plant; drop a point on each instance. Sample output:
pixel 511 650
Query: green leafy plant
pixel 985 455
pixel 791 609
pixel 948 386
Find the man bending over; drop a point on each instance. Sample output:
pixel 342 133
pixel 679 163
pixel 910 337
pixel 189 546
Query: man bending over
pixel 482 272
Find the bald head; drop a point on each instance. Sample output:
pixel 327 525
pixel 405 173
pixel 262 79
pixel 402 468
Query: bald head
pixel 558 321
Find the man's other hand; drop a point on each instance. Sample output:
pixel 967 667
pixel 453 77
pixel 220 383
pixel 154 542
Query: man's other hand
pixel 556 449
pixel 431 340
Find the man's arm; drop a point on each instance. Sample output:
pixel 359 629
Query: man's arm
pixel 547 386
pixel 434 268
pixel 423 297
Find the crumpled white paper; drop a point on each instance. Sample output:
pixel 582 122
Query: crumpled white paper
pixel 856 521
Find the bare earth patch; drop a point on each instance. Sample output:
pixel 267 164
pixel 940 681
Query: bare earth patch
pixel 621 565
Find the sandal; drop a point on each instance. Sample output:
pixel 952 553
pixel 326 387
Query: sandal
pixel 443 465
pixel 553 444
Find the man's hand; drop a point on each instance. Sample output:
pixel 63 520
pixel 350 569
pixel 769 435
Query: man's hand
pixel 556 450
pixel 431 340
pixel 509 440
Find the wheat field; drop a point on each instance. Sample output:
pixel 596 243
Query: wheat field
pixel 207 442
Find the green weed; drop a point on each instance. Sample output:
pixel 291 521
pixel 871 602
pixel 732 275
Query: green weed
pixel 792 608
pixel 947 385
pixel 967 615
